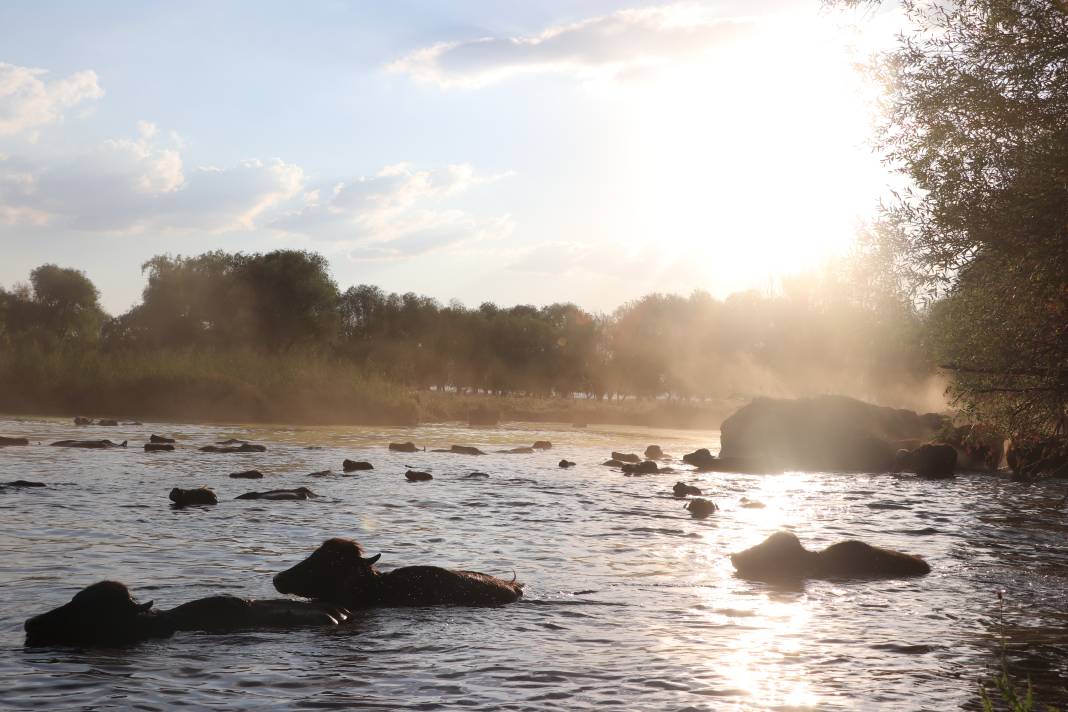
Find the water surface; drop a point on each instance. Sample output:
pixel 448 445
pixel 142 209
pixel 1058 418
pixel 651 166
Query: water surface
pixel 629 604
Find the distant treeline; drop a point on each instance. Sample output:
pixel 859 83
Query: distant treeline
pixel 820 332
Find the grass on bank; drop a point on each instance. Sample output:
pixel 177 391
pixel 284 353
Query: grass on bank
pixel 197 385
pixel 289 387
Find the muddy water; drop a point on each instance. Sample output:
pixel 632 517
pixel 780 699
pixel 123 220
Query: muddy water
pixel 629 604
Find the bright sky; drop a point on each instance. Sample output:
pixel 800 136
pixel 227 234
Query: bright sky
pixel 520 152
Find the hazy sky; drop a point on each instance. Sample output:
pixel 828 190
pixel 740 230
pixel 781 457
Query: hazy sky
pixel 506 150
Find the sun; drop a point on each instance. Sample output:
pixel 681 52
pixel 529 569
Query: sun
pixel 755 158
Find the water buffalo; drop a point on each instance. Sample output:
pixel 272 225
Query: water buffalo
pixel 625 457
pixel 781 556
pixel 356 466
pixel 243 447
pixel 82 420
pixel 106 615
pixel 542 445
pixel 645 467
pixel 5 442
pixel 300 493
pixel 338 573
pixel 22 483
pixel 462 450
pixel 159 447
pixel 700 458
pixel 681 489
pixel 613 463
pixel 653 452
pixel 566 463
pixel 413 476
pixel 227 613
pixel 701 508
pixel 161 439
pixel 403 447
pixel 187 497
pixel 934 462
pixel 92 444
pixel 247 475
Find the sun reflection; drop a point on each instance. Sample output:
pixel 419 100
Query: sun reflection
pixel 766 628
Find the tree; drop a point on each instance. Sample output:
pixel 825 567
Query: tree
pixel 977 118
pixel 66 304
pixel 295 300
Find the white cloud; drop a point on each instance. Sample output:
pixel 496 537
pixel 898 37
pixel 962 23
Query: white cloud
pixel 135 184
pixel 625 42
pixel 394 214
pixel 30 101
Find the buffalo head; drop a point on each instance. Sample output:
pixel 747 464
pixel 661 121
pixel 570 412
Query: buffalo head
pixel 336 572
pixel 104 614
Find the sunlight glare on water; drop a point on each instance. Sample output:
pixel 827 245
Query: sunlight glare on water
pixel 629 602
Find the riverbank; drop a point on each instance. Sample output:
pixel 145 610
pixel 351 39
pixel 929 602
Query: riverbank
pixel 293 388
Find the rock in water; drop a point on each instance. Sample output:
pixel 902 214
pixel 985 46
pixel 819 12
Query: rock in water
pixel 829 433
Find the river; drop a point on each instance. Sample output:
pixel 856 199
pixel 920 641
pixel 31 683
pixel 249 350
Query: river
pixel 629 603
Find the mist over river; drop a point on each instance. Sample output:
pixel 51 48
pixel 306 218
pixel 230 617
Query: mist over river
pixel 629 603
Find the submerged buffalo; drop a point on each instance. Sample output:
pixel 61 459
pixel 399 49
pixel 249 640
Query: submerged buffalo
pixel 298 493
pixel 462 450
pixel 338 573
pixel 247 475
pixel 106 615
pixel 19 484
pixel 415 476
pixel 243 447
pixel 645 467
pixel 781 556
pixel 625 456
pixel 189 497
pixel 566 463
pixel 159 447
pixel 5 442
pixel 517 451
pixel 542 445
pixel 91 444
pixel 681 489
pixel 356 465
pixel 700 508
pixel 700 458
pixel 930 461
pixel 160 439
pixel 403 447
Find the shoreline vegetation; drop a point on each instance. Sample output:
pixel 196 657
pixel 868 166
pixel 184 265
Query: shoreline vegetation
pixel 272 338
pixel 248 387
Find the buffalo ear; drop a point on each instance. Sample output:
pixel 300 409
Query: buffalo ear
pixel 370 560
